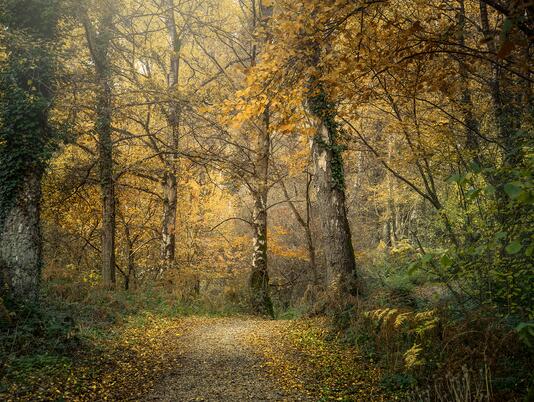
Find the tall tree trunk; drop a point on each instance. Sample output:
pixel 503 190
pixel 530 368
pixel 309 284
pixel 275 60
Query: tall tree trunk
pixel 472 126
pixel 309 234
pixel 507 114
pixel 27 87
pixel 170 180
pixel 20 240
pixel 259 278
pixel 170 203
pixel 391 225
pixel 340 278
pixel 99 45
pixel 106 183
pixel 130 258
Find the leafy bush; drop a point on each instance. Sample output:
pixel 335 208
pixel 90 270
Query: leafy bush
pixel 410 344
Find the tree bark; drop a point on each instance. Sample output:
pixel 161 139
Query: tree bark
pixel 99 44
pixel 21 242
pixel 330 209
pixel 27 87
pixel 507 115
pixel 130 258
pixel 107 184
pixel 391 225
pixel 170 180
pixel 259 278
pixel 170 203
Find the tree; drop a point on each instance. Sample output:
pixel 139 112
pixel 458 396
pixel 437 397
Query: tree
pixel 329 197
pixel 259 277
pixel 27 86
pixel 173 119
pixel 99 41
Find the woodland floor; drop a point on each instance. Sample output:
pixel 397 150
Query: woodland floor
pixel 219 364
pixel 198 358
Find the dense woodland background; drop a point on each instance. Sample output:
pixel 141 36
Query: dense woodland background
pixel 366 160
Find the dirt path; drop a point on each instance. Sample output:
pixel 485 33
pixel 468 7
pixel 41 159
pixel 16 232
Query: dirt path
pixel 217 364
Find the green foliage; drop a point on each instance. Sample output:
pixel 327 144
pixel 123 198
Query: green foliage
pixel 491 262
pixel 526 333
pixel 321 107
pixel 398 381
pixel 39 23
pixel 289 313
pixel 37 339
pixel 418 349
pixel 26 91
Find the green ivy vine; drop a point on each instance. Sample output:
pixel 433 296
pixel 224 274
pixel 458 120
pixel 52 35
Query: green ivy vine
pixel 321 107
pixel 26 91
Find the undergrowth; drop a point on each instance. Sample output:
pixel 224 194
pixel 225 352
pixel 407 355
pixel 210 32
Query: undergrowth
pixel 430 345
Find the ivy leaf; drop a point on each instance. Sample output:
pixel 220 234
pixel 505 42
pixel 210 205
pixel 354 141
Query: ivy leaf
pixel 475 167
pixel 490 190
pixel 472 193
pixel 445 261
pixel 456 178
pixel 506 27
pixel 500 235
pixel 513 190
pixel 514 247
pixel 526 332
pixel 506 45
pixel 426 259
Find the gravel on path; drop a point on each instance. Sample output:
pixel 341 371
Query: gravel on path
pixel 217 364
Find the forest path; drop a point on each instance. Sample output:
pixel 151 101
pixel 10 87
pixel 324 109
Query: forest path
pixel 218 363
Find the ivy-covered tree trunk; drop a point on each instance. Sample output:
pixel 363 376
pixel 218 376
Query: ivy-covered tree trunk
pixel 329 200
pixel 27 83
pixel 99 45
pixel 20 240
pixel 170 180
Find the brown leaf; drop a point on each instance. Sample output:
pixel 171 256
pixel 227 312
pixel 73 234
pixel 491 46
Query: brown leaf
pixel 505 50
